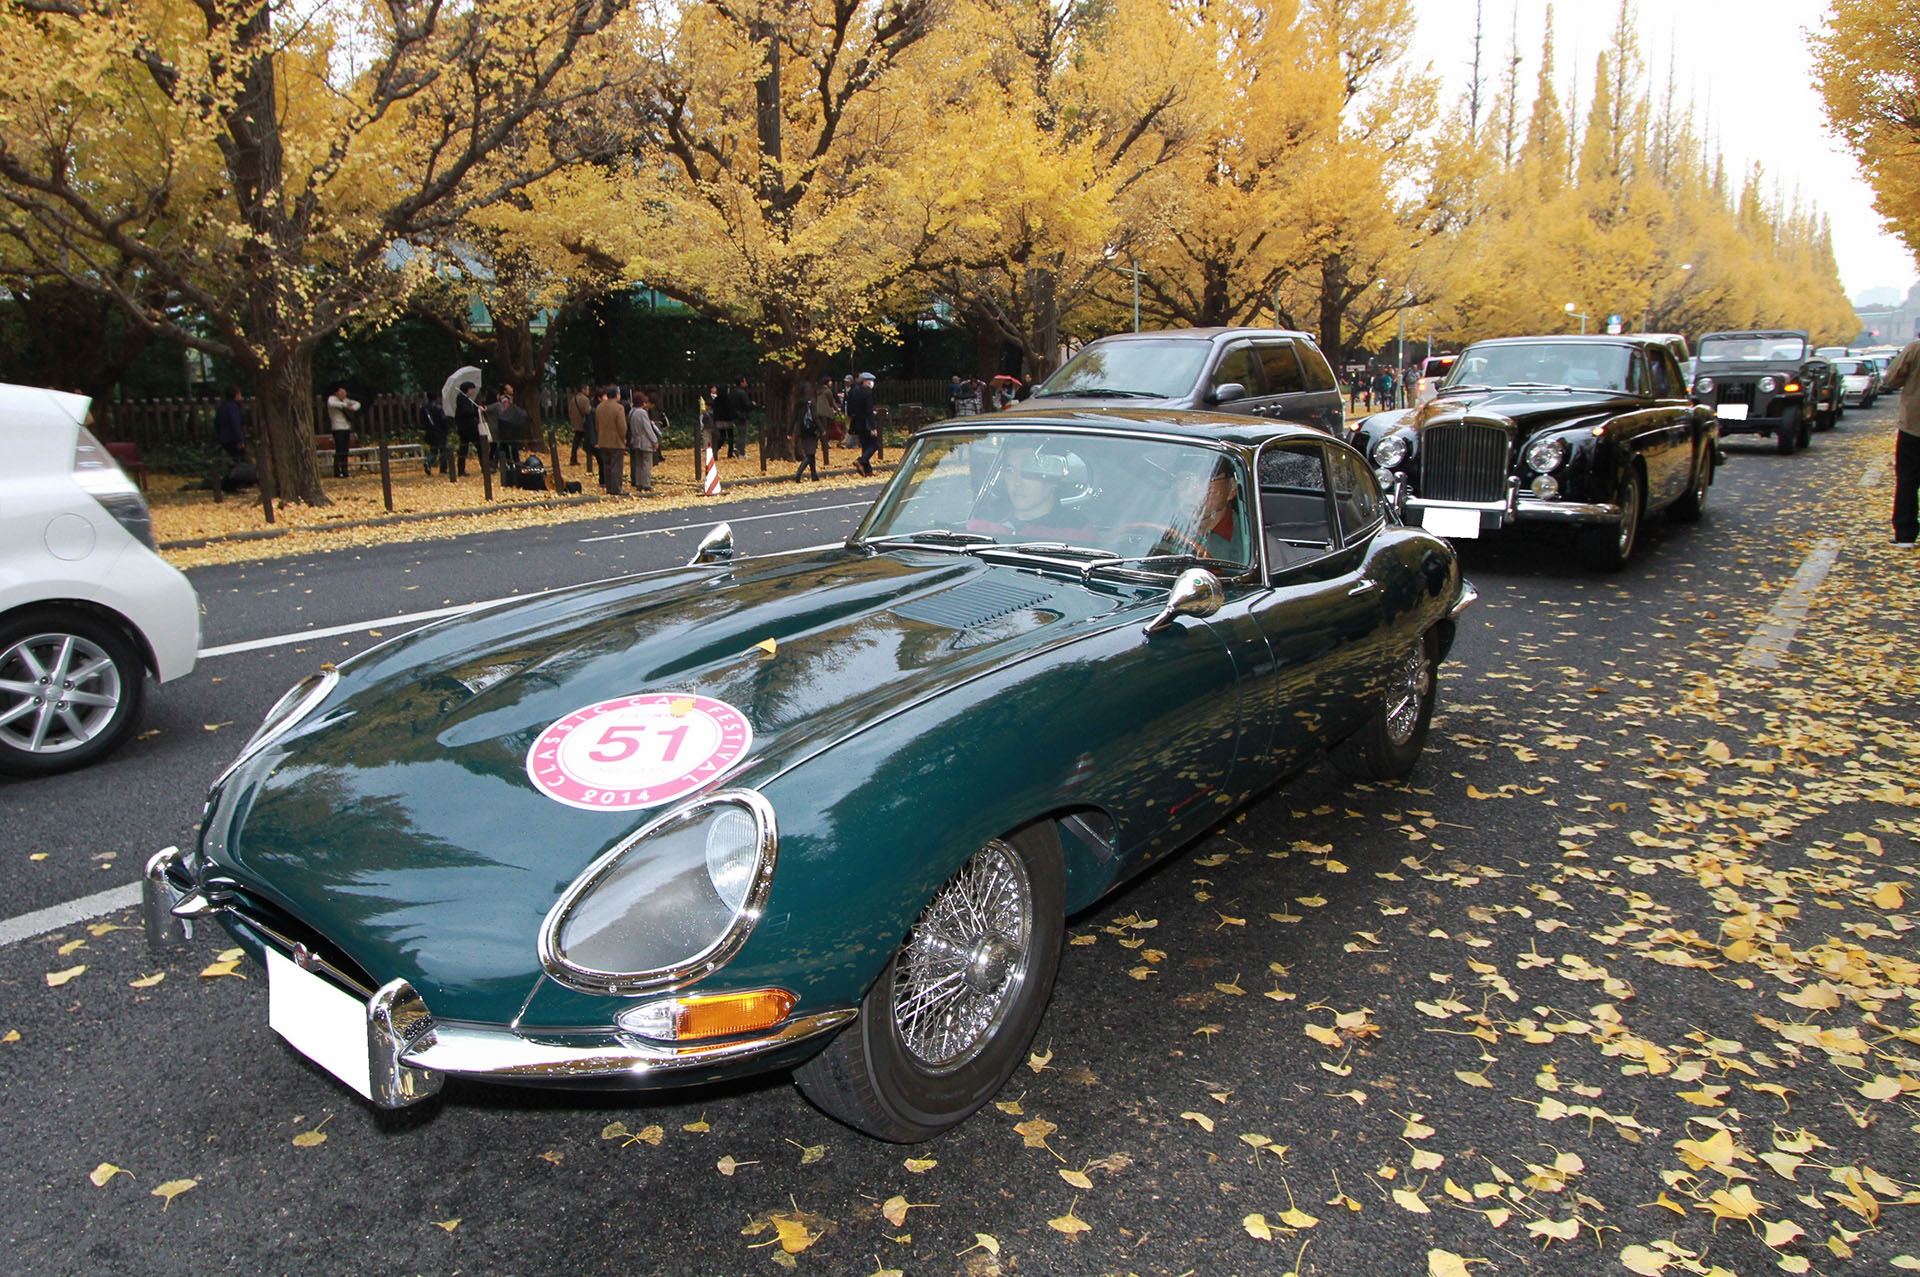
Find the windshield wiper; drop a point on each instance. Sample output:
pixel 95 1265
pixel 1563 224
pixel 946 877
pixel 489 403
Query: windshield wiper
pixel 930 536
pixel 1447 390
pixel 1098 392
pixel 1534 385
pixel 1055 548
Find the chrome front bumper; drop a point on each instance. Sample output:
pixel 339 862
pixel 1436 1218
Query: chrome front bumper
pixel 1519 506
pixel 410 1054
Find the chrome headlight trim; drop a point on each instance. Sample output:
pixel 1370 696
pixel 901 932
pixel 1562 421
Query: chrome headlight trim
pixel 696 966
pixel 294 705
pixel 1768 385
pixel 1544 455
pixel 1703 386
pixel 1391 449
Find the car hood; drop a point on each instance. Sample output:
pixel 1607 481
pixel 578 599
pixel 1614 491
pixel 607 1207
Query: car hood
pixel 1525 412
pixel 399 820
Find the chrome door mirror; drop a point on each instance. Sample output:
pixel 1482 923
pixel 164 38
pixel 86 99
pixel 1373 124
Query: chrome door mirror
pixel 1196 592
pixel 1226 392
pixel 715 547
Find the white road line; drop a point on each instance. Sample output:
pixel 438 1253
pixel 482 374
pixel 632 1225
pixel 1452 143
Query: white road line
pixel 434 614
pixel 749 518
pixel 1770 640
pixel 54 917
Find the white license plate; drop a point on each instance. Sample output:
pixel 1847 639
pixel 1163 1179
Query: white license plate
pixel 1732 411
pixel 1444 521
pixel 324 1024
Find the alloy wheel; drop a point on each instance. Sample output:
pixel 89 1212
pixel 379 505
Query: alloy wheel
pixel 57 692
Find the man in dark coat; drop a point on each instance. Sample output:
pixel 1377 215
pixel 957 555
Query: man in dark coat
pixel 739 403
pixel 433 434
pixel 860 422
pixel 230 425
pixel 466 423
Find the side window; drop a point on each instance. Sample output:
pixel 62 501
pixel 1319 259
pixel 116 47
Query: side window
pixel 1637 376
pixel 1356 496
pixel 1295 520
pixel 1282 367
pixel 1313 365
pixel 1238 364
pixel 1657 361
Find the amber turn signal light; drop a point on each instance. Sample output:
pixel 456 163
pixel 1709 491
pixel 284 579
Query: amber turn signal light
pixel 716 1015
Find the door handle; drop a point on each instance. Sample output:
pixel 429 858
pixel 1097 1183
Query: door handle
pixel 1362 586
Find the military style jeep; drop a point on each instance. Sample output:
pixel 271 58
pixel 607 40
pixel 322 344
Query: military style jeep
pixel 1766 382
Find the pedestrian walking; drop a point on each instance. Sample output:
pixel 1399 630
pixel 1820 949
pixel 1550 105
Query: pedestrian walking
pixel 806 435
pixel 466 424
pixel 512 427
pixel 740 400
pixel 230 425
pixel 338 406
pixel 707 424
pixel 956 392
pixel 723 423
pixel 433 434
pixel 643 436
pixel 860 421
pixel 1906 444
pixel 610 438
pixel 579 411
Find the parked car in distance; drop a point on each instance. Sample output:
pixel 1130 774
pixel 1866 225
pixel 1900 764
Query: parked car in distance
pixel 1433 371
pixel 87 608
pixel 1765 382
pixel 1586 433
pixel 649 832
pixel 1675 343
pixel 1859 379
pixel 1260 372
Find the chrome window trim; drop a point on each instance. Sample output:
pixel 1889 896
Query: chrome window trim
pixel 696 966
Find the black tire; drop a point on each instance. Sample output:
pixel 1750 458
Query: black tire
pixel 1607 549
pixel 1824 420
pixel 64 650
pixel 1806 434
pixel 1389 745
pixel 1691 506
pixel 905 1080
pixel 1787 437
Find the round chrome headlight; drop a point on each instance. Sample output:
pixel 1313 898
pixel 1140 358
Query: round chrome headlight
pixel 1768 385
pixel 669 904
pixel 1546 487
pixel 1543 455
pixel 1703 386
pixel 1392 449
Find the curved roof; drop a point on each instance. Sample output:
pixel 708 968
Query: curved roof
pixel 1174 423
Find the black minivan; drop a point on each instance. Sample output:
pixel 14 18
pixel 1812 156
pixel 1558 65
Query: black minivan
pixel 1262 372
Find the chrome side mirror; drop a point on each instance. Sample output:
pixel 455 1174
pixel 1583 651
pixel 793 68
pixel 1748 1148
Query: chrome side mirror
pixel 715 547
pixel 1226 392
pixel 1196 592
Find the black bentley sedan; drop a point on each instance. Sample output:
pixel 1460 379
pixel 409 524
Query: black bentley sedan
pixel 1589 433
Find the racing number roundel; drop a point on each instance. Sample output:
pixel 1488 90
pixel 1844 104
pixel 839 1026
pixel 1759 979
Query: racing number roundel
pixel 637 751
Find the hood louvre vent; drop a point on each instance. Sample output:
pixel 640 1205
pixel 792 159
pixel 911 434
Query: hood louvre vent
pixel 973 604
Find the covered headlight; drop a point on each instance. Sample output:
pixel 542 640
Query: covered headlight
pixel 668 905
pixel 1392 449
pixel 1703 386
pixel 1543 455
pixel 1768 385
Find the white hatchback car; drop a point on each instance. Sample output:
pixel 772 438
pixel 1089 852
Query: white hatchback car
pixel 87 608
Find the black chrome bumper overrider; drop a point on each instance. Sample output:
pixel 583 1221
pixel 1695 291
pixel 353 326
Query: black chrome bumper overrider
pixel 410 1054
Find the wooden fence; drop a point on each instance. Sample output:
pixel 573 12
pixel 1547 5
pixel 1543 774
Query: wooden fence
pixel 158 425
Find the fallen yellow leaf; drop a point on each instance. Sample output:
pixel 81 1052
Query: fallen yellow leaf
pixel 106 1171
pixel 172 1189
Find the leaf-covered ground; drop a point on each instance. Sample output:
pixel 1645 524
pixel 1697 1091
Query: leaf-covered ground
pixel 1624 981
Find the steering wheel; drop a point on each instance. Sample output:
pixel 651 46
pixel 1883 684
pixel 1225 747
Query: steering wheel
pixel 1165 540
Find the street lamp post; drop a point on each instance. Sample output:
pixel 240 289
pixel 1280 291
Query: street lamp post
pixel 1582 315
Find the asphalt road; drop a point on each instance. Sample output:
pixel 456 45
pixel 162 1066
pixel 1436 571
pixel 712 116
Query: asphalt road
pixel 1541 915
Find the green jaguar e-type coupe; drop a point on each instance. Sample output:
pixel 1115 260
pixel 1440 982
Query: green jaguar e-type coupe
pixel 826 810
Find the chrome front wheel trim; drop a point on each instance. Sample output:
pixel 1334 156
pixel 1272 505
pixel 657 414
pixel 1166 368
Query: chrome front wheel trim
pixel 1412 682
pixel 57 692
pixel 966 961
pixel 1629 517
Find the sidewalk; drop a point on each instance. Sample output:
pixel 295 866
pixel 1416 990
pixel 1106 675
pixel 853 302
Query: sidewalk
pixel 193 529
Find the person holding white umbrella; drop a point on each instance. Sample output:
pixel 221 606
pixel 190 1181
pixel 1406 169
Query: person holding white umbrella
pixel 464 383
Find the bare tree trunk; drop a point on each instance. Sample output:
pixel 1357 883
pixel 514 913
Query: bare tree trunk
pixel 1333 286
pixel 285 401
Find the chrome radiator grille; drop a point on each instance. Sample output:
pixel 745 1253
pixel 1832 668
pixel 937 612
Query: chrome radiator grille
pixel 1463 463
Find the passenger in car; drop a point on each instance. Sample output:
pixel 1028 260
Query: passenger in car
pixel 1216 526
pixel 1030 481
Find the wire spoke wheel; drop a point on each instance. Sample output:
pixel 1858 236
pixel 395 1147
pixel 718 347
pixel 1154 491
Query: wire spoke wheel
pixel 1409 692
pixel 966 960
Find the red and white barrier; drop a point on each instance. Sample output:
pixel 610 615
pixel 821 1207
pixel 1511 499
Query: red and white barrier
pixel 710 474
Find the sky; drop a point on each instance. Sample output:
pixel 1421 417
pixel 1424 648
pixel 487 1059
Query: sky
pixel 1745 67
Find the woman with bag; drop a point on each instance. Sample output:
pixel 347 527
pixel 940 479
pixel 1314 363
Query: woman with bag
pixel 806 436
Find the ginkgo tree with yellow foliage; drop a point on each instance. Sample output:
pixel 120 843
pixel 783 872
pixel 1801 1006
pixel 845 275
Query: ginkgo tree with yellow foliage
pixel 259 173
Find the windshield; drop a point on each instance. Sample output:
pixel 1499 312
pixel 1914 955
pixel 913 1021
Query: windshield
pixel 1089 497
pixel 1157 369
pixel 1577 365
pixel 1753 347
